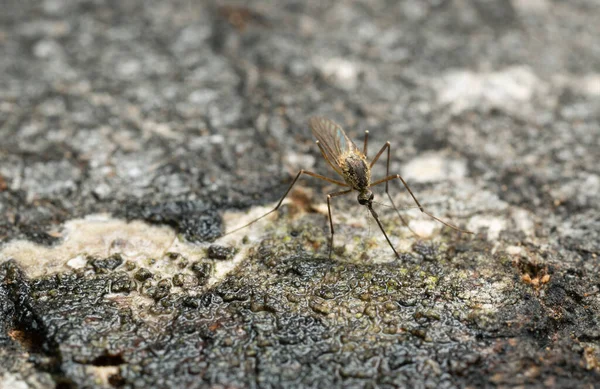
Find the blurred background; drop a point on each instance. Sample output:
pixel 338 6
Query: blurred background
pixel 104 102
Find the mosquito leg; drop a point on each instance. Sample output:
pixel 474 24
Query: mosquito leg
pixel 387 144
pixel 366 142
pixel 388 147
pixel 329 197
pixel 340 183
pixel 389 178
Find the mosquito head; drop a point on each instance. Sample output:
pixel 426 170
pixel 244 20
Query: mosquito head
pixel 365 198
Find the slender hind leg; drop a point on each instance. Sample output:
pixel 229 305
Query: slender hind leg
pixel 387 145
pixel 340 183
pixel 329 197
pixel 389 178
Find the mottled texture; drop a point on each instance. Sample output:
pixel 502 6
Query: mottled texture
pixel 179 113
pixel 356 172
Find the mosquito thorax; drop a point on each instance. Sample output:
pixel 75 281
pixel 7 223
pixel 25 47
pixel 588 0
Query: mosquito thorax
pixel 356 172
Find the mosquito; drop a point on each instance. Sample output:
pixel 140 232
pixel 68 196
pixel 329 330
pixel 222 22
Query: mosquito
pixel 353 166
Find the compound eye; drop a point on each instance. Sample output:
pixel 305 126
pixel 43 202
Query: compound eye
pixel 362 201
pixel 371 197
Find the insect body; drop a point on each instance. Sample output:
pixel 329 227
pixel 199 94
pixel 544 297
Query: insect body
pixel 356 173
pixel 353 166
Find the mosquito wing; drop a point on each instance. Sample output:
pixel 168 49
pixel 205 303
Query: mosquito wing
pixel 334 141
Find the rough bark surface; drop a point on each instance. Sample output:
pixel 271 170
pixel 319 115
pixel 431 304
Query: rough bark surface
pixel 133 133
